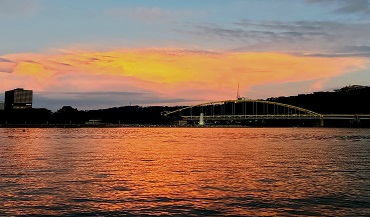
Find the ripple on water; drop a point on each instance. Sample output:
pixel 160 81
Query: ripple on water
pixel 185 172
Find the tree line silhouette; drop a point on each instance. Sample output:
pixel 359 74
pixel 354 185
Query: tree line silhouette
pixel 348 100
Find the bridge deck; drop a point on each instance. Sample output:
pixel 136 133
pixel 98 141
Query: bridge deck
pixel 256 109
pixel 277 117
pixel 244 117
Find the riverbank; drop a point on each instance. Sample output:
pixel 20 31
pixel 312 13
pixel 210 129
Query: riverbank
pixel 154 126
pixel 116 126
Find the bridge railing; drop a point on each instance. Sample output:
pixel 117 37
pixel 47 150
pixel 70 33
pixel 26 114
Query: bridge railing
pixel 245 117
pixel 346 116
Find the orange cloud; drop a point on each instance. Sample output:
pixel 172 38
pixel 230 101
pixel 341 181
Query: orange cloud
pixel 35 70
pixel 171 73
pixel 215 69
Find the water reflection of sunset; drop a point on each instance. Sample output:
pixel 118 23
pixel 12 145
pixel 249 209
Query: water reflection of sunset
pixel 171 171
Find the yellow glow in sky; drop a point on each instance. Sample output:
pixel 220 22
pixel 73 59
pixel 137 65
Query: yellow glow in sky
pixel 169 72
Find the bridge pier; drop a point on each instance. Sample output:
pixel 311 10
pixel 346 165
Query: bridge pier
pixel 356 121
pixel 201 120
pixel 321 122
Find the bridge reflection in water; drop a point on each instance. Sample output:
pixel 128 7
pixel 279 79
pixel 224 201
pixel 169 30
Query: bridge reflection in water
pixel 254 110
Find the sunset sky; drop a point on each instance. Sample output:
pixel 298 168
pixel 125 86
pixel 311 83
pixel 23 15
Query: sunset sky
pixel 106 53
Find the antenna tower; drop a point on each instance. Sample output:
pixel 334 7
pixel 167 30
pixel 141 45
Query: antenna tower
pixel 237 93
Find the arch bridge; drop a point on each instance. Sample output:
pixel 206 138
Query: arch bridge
pixel 243 109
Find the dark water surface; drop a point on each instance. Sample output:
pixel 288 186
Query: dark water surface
pixel 185 172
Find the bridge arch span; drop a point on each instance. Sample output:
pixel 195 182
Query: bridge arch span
pixel 244 109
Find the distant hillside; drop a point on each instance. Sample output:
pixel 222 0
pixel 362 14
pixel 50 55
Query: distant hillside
pixel 354 99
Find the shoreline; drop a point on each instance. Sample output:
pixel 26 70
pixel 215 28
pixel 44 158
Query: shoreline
pixel 155 126
pixel 118 126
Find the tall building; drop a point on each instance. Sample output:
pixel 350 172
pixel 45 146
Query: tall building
pixel 1 106
pixel 18 99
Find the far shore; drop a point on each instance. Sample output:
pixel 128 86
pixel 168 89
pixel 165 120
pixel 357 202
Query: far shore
pixel 25 126
pixel 115 126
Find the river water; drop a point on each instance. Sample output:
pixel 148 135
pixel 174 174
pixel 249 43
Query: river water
pixel 185 172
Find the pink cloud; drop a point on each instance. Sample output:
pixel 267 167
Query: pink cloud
pixel 167 74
